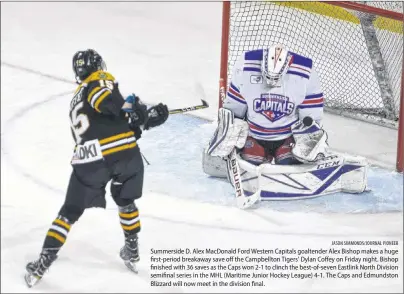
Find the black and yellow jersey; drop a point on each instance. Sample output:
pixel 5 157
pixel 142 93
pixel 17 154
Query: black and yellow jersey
pixel 96 113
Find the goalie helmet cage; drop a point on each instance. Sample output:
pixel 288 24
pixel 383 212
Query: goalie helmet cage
pixel 356 48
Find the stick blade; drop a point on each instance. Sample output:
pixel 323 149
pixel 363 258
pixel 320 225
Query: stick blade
pixel 245 202
pixel 205 103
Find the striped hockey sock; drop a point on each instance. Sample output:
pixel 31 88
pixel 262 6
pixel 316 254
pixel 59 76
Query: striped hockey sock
pixel 57 234
pixel 129 217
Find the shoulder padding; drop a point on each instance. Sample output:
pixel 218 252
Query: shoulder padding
pixel 253 55
pixel 99 75
pixel 302 60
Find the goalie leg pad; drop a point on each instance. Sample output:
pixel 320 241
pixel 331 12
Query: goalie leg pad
pixel 355 181
pixel 214 166
pixel 231 132
pixel 332 175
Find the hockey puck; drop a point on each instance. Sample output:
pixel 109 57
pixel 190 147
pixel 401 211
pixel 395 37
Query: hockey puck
pixel 307 121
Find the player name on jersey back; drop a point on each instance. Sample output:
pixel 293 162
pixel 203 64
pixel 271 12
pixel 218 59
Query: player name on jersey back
pixel 88 152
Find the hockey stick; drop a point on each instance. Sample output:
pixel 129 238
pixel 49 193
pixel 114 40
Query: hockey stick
pixel 233 169
pixel 191 108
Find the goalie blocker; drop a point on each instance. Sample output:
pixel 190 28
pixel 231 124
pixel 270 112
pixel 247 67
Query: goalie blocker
pixel 321 172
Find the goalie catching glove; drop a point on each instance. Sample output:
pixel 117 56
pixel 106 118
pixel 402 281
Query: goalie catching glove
pixel 310 141
pixel 231 132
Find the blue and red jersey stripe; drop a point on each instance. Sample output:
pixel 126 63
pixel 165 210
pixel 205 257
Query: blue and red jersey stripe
pixel 262 131
pixel 234 93
pixel 311 101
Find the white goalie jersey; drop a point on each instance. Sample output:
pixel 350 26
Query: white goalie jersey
pixel 270 112
pixel 291 106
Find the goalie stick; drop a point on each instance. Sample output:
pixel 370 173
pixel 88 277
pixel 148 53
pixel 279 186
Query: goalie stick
pixel 234 174
pixel 191 108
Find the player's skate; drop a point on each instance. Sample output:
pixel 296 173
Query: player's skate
pixel 36 269
pixel 130 252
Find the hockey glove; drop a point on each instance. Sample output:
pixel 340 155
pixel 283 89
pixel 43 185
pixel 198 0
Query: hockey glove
pixel 138 113
pixel 157 115
pixel 138 132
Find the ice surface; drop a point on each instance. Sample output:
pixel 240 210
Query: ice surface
pixel 164 57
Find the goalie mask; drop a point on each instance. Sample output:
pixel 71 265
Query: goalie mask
pixel 86 62
pixel 275 63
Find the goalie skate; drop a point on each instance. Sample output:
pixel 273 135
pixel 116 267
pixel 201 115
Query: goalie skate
pixel 130 253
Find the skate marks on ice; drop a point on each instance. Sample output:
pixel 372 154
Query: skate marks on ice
pixel 271 223
pixel 97 258
pixel 17 122
pixel 74 269
pixel 37 72
pixel 89 262
pixel 41 84
pixel 90 259
pixel 6 149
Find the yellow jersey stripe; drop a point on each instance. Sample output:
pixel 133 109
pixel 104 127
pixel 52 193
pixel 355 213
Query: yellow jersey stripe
pixel 98 75
pixel 100 99
pixel 90 96
pixel 129 215
pixel 56 236
pixel 129 228
pixel 78 89
pixel 119 148
pixel 62 223
pixel 116 137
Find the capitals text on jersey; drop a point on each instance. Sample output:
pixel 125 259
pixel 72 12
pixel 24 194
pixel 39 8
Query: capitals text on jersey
pixel 273 106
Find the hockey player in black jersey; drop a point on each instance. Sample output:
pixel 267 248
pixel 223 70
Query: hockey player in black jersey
pixel 105 128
